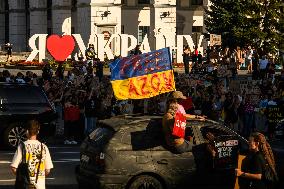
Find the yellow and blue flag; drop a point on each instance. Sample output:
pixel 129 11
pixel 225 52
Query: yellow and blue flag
pixel 142 76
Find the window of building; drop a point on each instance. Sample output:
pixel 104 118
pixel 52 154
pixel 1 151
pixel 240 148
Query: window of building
pixel 196 2
pixel 142 31
pixel 143 1
pixel 122 29
pixel 196 29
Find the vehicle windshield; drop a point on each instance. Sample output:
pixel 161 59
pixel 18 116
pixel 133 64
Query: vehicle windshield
pixel 22 95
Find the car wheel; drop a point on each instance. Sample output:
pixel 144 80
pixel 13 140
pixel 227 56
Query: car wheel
pixel 146 182
pixel 14 134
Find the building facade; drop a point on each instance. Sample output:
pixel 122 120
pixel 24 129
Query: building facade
pixel 20 19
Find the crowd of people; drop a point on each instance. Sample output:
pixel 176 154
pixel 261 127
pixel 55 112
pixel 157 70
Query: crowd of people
pixel 85 95
pixel 257 62
pixel 210 89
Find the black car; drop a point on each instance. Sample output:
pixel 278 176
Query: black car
pixel 130 152
pixel 18 104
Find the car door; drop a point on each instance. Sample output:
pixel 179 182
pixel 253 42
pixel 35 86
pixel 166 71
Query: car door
pixel 178 169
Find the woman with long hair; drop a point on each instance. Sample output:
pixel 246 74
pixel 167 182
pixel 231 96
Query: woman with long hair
pixel 256 163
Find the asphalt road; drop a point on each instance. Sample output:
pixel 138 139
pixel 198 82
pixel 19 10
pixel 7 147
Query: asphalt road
pixel 64 158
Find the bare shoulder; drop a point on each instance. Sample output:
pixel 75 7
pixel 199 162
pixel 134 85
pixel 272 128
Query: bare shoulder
pixel 168 116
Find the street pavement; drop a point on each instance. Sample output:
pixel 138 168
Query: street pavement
pixel 64 158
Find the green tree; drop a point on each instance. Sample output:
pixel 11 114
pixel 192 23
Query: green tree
pixel 246 22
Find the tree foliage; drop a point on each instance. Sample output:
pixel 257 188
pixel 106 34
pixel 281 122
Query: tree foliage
pixel 246 22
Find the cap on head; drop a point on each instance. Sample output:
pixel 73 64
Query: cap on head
pixel 177 95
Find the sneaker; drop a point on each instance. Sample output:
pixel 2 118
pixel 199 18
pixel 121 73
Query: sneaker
pixel 73 142
pixel 67 142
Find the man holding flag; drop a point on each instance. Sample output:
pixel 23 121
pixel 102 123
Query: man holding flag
pixel 148 75
pixel 174 123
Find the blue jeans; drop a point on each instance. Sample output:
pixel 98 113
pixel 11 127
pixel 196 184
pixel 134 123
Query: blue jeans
pixel 90 124
pixel 186 146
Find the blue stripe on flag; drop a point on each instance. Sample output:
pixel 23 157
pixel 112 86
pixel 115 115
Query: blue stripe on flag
pixel 138 65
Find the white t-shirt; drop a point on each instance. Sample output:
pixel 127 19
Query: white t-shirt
pixel 33 150
pixel 249 54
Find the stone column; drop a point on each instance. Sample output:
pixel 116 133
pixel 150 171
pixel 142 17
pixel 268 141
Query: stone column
pixel 38 17
pixel 2 22
pixel 17 25
pixel 153 29
pixel 165 23
pixel 84 19
pixel 61 17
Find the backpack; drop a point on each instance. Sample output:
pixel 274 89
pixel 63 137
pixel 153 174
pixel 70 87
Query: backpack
pixel 22 173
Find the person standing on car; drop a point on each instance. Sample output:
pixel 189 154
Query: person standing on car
pixel 254 165
pixel 178 144
pixel 37 157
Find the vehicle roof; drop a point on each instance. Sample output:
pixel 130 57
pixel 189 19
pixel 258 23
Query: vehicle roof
pixel 120 121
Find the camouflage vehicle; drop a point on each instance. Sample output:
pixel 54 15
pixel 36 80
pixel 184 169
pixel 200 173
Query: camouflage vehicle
pixel 130 152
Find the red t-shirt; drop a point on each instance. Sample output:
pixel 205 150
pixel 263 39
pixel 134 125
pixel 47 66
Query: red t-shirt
pixel 187 103
pixel 71 113
pixel 196 52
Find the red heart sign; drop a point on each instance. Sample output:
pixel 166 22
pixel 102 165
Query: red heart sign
pixel 60 47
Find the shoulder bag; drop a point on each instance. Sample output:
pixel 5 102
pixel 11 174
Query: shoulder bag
pixel 22 173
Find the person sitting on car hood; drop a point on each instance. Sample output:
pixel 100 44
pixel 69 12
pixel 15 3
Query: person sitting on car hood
pixel 178 144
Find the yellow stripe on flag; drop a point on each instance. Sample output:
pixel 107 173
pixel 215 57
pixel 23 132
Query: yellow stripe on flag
pixel 145 86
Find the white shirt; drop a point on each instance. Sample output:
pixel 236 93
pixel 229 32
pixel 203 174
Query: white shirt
pixel 263 64
pixel 272 103
pixel 20 80
pixel 33 149
pixel 249 54
pixel 181 109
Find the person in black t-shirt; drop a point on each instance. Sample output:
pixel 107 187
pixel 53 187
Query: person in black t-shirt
pixel 231 116
pixel 91 108
pixel 186 59
pixel 253 166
